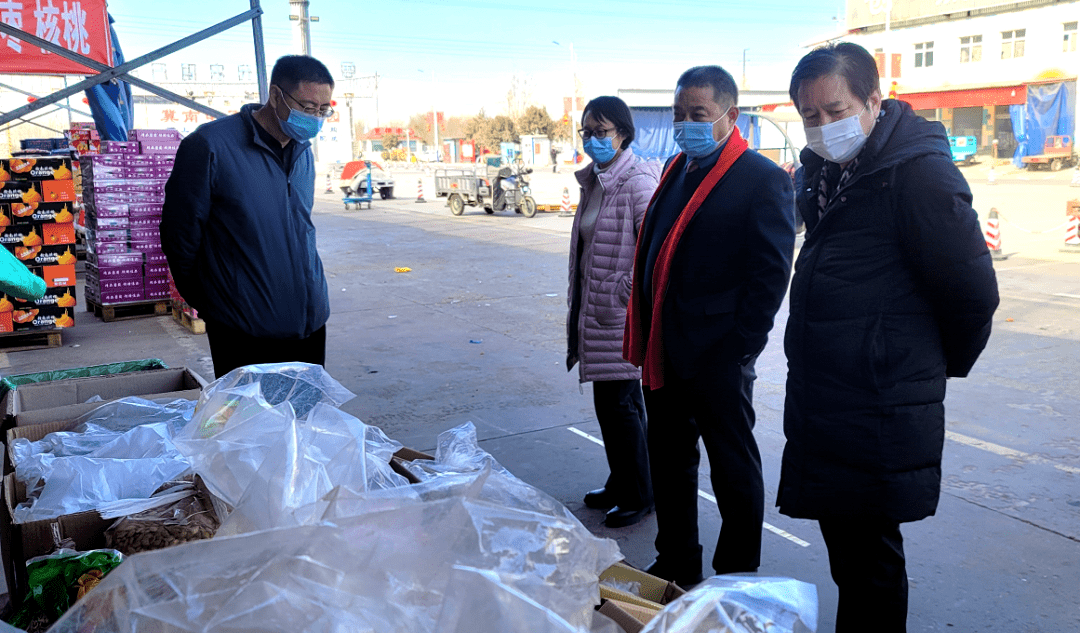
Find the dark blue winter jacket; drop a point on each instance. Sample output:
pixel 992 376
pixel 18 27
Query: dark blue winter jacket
pixel 238 234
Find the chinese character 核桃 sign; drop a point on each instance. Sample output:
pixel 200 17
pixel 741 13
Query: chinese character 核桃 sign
pixel 81 26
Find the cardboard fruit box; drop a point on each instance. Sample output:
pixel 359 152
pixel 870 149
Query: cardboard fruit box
pixel 43 168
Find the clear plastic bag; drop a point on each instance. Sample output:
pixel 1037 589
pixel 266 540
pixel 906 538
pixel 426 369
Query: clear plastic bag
pixel 186 515
pixel 741 604
pixel 382 560
pixel 131 466
pixel 307 460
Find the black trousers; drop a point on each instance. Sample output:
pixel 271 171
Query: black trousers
pixel 232 348
pixel 866 557
pixel 620 409
pixel 715 406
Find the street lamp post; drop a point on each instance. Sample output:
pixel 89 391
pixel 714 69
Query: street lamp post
pixel 573 97
pixel 434 115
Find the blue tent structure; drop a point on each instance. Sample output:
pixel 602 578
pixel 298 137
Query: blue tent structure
pixel 110 102
pixel 1048 112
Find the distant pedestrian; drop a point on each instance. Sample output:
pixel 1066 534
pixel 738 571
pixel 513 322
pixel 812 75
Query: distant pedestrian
pixel 554 159
pixel 615 190
pixel 893 293
pixel 712 265
pixel 237 228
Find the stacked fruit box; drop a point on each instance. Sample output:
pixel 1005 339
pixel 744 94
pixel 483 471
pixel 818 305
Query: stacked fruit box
pixel 124 190
pixel 37 198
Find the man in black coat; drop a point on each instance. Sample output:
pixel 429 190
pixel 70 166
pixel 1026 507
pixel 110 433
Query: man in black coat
pixel 712 265
pixel 893 292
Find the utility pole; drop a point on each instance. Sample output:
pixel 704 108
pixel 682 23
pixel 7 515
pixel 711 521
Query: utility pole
pixel 744 67
pixel 298 12
pixel 434 117
pixel 376 99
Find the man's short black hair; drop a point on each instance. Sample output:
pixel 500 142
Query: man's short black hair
pixel 850 61
pixel 615 111
pixel 724 88
pixel 290 70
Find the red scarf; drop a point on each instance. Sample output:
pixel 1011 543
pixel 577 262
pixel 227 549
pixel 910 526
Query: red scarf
pixel 648 353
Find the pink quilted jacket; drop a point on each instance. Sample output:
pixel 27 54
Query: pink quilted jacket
pixel 595 342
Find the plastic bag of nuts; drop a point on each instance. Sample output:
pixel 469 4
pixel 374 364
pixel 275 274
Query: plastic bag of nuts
pixel 190 518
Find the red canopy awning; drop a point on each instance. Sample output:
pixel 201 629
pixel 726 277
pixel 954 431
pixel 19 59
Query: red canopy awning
pixel 971 98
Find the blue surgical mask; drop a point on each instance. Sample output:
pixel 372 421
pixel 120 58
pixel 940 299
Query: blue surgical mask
pixel 301 126
pixel 695 137
pixel 599 149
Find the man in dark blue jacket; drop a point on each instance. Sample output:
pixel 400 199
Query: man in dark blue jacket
pixel 712 264
pixel 894 291
pixel 237 226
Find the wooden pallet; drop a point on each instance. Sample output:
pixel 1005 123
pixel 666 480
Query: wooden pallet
pixel 193 324
pixel 29 339
pixel 124 311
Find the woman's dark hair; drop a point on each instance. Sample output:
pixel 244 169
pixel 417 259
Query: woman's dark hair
pixel 850 61
pixel 290 70
pixel 615 111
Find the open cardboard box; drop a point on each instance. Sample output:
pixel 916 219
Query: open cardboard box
pixel 41 402
pixel 653 591
pixel 631 618
pixel 21 542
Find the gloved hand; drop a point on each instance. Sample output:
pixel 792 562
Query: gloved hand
pixel 17 280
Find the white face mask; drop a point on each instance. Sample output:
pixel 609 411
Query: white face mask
pixel 838 141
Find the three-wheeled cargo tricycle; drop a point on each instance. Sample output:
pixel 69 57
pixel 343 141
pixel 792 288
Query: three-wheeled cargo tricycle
pixel 493 185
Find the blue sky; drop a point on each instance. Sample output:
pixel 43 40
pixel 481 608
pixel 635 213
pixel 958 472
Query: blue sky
pixel 475 48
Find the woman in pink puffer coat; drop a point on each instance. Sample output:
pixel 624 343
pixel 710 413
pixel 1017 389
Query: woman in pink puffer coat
pixel 615 191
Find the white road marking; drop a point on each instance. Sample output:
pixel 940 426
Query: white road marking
pixel 704 495
pixel 1005 451
pixel 4 361
pixel 1065 294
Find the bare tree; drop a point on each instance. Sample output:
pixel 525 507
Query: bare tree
pixel 518 97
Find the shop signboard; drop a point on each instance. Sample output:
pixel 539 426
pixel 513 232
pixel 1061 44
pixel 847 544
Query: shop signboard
pixel 81 26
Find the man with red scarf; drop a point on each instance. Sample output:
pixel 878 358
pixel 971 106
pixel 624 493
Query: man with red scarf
pixel 712 265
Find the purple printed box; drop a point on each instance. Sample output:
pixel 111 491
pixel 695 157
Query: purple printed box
pixel 145 222
pixel 114 260
pixel 154 135
pixel 110 235
pixel 163 160
pixel 106 210
pixel 153 294
pixel 152 234
pixel 146 247
pixel 94 249
pixel 114 285
pixel 160 147
pixel 117 272
pixel 139 160
pixel 93 161
pixel 157 270
pixel 156 282
pixel 120 147
pixel 95 172
pixel 106 224
pixel 144 210
pixel 154 258
pixel 109 297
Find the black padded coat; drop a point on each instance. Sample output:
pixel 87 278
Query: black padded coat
pixel 894 290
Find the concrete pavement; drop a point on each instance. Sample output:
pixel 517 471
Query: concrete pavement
pixel 475 332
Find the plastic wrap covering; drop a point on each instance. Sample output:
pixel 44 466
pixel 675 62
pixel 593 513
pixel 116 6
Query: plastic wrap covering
pixel 306 461
pixel 458 452
pixel 478 600
pixel 56 581
pixel 389 559
pixel 70 472
pixel 300 384
pixel 103 426
pixel 741 604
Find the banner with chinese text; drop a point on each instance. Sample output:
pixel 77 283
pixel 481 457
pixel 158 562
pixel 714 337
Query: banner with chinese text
pixel 81 26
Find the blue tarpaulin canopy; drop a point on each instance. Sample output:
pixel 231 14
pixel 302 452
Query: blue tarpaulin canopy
pixel 110 102
pixel 1048 112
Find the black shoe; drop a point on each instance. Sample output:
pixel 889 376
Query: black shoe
pixel 686 578
pixel 618 517
pixel 600 499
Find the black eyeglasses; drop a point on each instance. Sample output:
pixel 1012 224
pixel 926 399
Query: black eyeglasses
pixel 588 134
pixel 322 113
